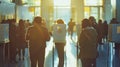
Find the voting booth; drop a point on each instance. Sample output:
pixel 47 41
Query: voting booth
pixel 114 33
pixel 4 33
pixel 59 32
pixel 4 38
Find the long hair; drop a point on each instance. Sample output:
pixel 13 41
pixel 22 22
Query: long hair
pixel 37 20
pixel 85 23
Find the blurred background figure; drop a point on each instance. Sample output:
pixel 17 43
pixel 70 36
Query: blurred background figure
pixel 71 25
pixel 59 38
pixel 88 45
pixel 105 31
pixel 13 40
pixel 21 42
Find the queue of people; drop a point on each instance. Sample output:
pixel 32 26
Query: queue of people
pixel 36 35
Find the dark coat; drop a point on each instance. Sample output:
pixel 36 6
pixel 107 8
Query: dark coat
pixel 37 36
pixel 88 43
pixel 21 42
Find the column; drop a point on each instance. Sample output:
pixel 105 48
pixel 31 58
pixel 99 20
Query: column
pixel 118 10
pixel 107 10
pixel 47 11
pixel 77 10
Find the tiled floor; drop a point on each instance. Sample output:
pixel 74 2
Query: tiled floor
pixel 104 59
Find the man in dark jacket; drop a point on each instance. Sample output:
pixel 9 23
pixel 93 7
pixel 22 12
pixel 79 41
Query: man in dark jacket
pixel 88 45
pixel 37 36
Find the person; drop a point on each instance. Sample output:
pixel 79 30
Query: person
pixel 116 59
pixel 59 40
pixel 88 45
pixel 93 23
pixel 71 25
pixel 37 35
pixel 13 42
pixel 105 30
pixel 21 42
pixel 100 31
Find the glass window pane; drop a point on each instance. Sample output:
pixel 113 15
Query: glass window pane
pixel 94 12
pixel 93 2
pixel 24 1
pixel 87 12
pixel 37 11
pixel 35 2
pixel 101 13
pixel 62 2
pixel 63 13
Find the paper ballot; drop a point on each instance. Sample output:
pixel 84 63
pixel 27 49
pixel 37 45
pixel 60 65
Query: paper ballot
pixel 4 33
pixel 59 32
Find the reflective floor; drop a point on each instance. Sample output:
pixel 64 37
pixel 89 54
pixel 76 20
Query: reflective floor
pixel 106 56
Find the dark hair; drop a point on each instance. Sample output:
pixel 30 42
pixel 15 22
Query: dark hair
pixel 60 21
pixel 85 23
pixel 37 19
pixel 21 23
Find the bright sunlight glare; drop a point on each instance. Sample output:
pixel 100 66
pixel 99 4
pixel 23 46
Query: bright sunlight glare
pixel 62 2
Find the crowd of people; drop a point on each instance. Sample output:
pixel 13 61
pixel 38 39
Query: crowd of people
pixel 35 35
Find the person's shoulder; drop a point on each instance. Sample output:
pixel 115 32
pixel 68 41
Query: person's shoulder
pixel 30 27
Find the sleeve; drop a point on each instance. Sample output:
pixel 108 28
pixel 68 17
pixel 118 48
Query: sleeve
pixel 47 35
pixel 81 39
pixel 27 34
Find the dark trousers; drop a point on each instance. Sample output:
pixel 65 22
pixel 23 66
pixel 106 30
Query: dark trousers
pixel 60 50
pixel 19 53
pixel 116 58
pixel 37 55
pixel 13 52
pixel 88 62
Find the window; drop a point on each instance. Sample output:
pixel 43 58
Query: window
pixel 93 8
pixel 62 2
pixel 35 2
pixel 62 9
pixel 93 2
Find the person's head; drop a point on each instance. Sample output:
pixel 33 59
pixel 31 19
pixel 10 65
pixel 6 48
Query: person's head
pixel 21 23
pixel 60 21
pixel 92 20
pixel 85 23
pixel 99 21
pixel 37 20
pixel 105 22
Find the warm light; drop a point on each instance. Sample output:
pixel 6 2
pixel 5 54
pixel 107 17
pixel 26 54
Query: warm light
pixel 87 9
pixel 62 2
pixel 93 2
pixel 37 2
pixel 31 9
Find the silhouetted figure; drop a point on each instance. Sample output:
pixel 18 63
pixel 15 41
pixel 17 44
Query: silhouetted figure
pixel 105 30
pixel 13 41
pixel 27 24
pixel 71 25
pixel 92 22
pixel 100 31
pixel 60 42
pixel 37 35
pixel 117 45
pixel 21 42
pixel 88 45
